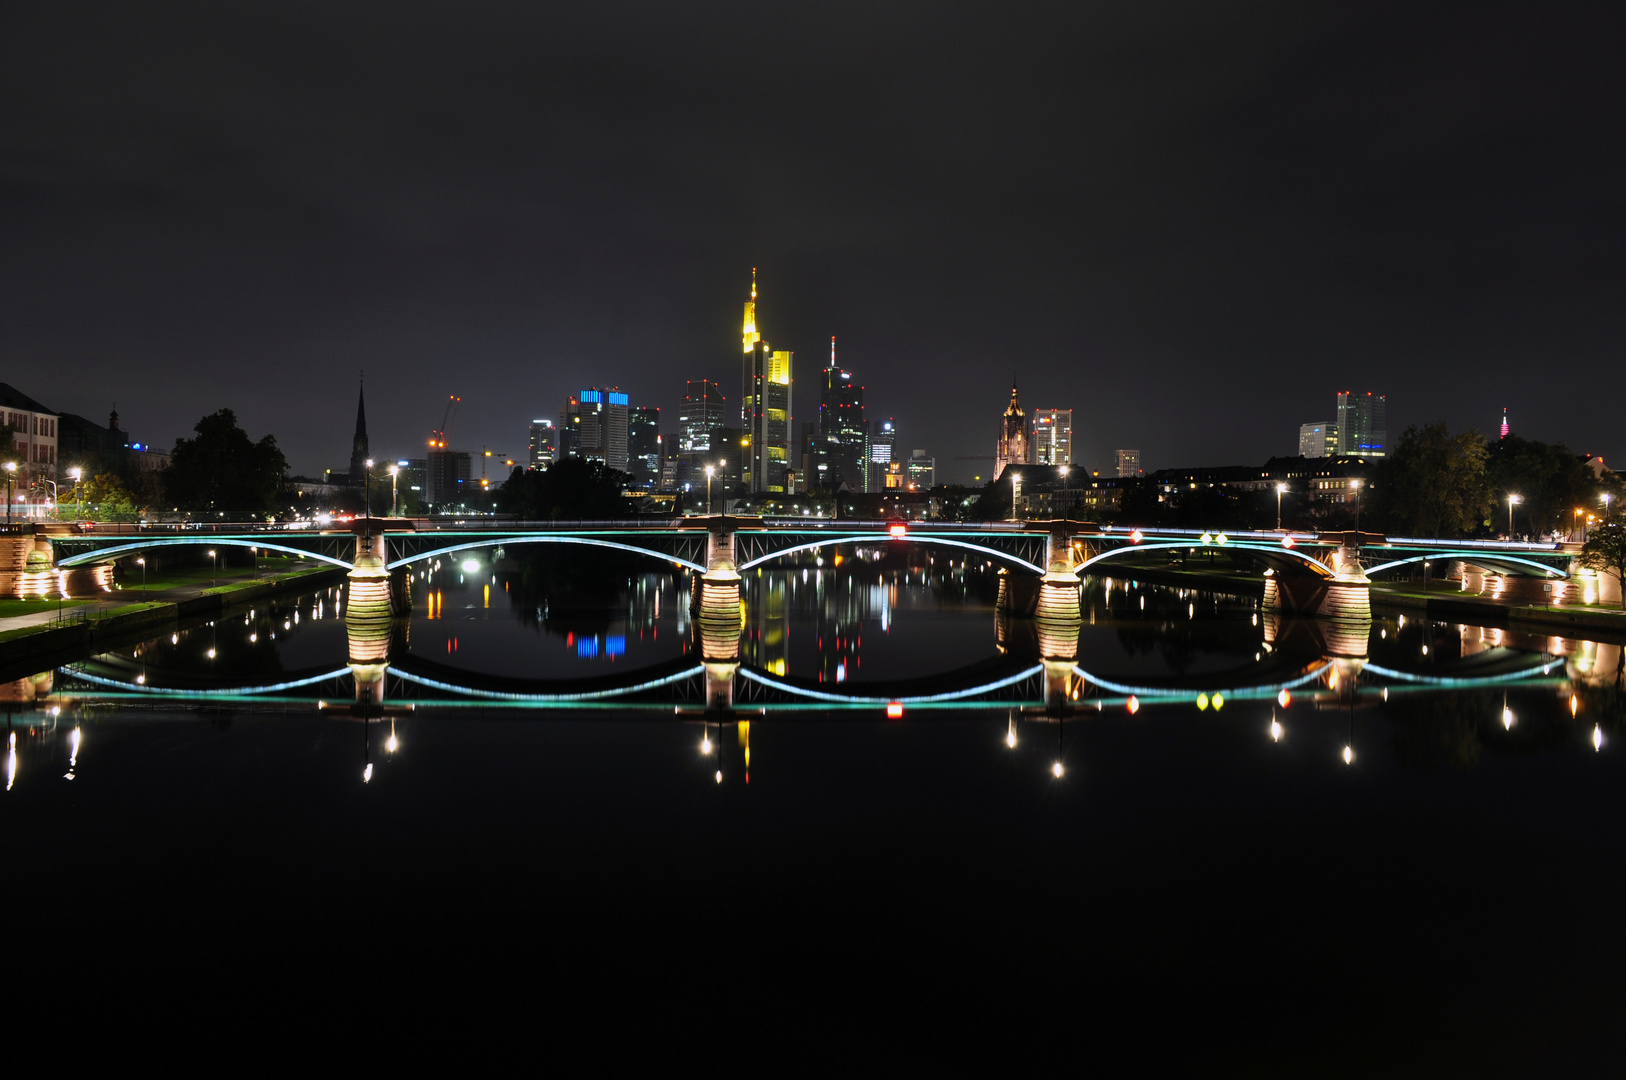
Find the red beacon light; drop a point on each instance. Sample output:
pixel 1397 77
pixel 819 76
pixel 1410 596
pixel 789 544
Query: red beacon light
pixel 898 531
pixel 894 711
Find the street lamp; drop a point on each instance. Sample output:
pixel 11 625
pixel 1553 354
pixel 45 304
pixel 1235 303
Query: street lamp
pixel 76 474
pixel 11 475
pixel 1280 488
pixel 1355 485
pixel 214 568
pixel 1511 499
pixel 395 471
pixel 709 471
pixel 1606 499
pixel 367 492
pixel 143 564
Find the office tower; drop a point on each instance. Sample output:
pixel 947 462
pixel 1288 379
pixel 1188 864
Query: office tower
pixel 1363 427
pixel 765 406
pixel 882 437
pixel 1053 436
pixel 1015 445
pixel 922 471
pixel 593 426
pixel 1129 463
pixel 1318 439
pixel 837 447
pixel 702 411
pixel 447 477
pixel 544 444
pixel 1504 433
pixel 644 444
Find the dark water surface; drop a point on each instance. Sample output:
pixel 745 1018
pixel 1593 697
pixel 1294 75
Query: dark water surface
pixel 858 891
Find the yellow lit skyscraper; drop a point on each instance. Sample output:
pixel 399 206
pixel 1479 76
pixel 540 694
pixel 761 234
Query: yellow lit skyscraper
pixel 765 406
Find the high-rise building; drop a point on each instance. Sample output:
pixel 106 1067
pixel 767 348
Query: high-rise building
pixel 1129 463
pixel 644 444
pixel 447 475
pixel 593 426
pixel 765 406
pixel 922 471
pixel 1504 433
pixel 1015 445
pixel 1363 426
pixel 358 442
pixel 838 447
pixel 703 410
pixel 882 437
pixel 1318 439
pixel 1052 436
pixel 544 444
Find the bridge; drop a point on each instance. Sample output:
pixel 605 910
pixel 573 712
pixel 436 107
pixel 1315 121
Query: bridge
pixel 1327 574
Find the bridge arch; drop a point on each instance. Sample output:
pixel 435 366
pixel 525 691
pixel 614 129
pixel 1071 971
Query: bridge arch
pixel 511 540
pixel 104 554
pixel 1267 555
pixel 1506 563
pixel 868 699
pixel 882 538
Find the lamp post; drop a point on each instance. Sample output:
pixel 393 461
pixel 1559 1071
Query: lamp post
pixel 367 493
pixel 76 473
pixel 11 475
pixel 1280 488
pixel 395 471
pixel 1606 499
pixel 1511 499
pixel 214 568
pixel 142 562
pixel 1356 486
pixel 709 471
pixel 1064 492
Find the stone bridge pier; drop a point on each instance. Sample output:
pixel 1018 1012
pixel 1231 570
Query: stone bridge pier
pixel 1021 593
pixel 375 591
pixel 1346 595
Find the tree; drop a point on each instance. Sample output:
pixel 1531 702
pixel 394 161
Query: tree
pixel 222 469
pixel 1605 552
pixel 1435 484
pixel 572 488
pixel 1548 479
pixel 105 498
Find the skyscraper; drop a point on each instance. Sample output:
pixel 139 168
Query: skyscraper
pixel 1053 436
pixel 544 443
pixel 765 406
pixel 1363 426
pixel 1015 445
pixel 701 412
pixel 644 444
pixel 358 443
pixel 1318 439
pixel 838 448
pixel 593 426
pixel 882 438
pixel 1505 429
pixel 922 471
pixel 1129 463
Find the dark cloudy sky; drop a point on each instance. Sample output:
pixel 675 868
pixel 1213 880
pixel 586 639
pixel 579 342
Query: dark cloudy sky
pixel 1191 222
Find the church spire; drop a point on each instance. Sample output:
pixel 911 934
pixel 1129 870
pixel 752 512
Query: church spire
pixel 358 443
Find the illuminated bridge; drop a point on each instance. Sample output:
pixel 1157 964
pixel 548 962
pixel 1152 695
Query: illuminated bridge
pixel 1324 574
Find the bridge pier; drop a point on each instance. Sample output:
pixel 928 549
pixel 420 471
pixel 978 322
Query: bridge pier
pixel 377 590
pixel 1058 620
pixel 1346 596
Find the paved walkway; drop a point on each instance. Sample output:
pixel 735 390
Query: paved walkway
pixel 48 614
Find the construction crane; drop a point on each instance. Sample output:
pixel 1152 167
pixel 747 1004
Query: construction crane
pixel 438 437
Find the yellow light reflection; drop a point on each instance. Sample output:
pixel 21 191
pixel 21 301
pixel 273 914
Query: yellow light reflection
pixel 1057 770
pixel 1349 754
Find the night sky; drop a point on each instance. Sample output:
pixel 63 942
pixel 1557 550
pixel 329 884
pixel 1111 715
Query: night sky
pixel 1193 223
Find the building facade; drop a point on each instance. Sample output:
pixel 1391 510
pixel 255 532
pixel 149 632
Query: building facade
pixel 883 438
pixel 1318 439
pixel 702 411
pixel 1363 424
pixel 1015 445
pixel 593 426
pixel 840 445
pixel 644 445
pixel 1129 463
pixel 921 471
pixel 765 406
pixel 543 444
pixel 1052 436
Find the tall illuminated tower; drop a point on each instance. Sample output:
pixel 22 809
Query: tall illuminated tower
pixel 1015 446
pixel 1052 436
pixel 1363 429
pixel 764 406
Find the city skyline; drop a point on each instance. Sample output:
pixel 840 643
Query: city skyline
pixel 1242 202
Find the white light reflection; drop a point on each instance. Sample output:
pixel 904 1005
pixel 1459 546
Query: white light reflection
pixel 1349 754
pixel 1275 730
pixel 719 776
pixel 705 744
pixel 367 774
pixel 11 761
pixel 1057 770
pixel 75 737
pixel 1597 736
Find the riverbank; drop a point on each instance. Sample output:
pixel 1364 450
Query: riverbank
pixel 34 642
